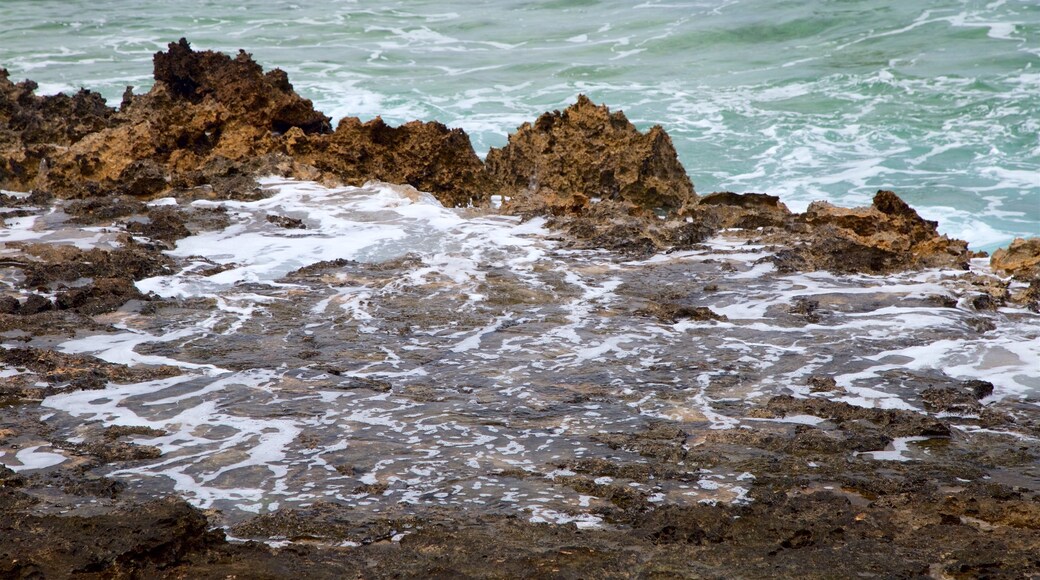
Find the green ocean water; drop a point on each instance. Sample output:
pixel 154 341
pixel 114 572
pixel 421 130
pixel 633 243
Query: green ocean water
pixel 827 99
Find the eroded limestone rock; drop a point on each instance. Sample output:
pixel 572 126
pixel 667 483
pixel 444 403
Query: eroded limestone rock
pixel 888 236
pixel 565 160
pixel 427 156
pixel 217 121
pixel 1021 259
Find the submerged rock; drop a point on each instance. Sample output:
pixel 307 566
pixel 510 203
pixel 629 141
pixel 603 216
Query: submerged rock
pixel 565 160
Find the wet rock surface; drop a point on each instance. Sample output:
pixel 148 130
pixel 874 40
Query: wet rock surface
pixel 610 377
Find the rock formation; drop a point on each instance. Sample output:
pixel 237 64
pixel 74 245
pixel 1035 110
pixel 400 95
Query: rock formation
pixel 723 210
pixel 427 156
pixel 887 236
pixel 565 160
pixel 212 123
pixel 1021 259
pixel 219 121
pixel 34 128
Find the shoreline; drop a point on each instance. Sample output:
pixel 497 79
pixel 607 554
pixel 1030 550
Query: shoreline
pixel 647 380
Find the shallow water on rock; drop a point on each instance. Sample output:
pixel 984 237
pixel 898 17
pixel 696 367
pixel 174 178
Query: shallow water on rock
pixel 427 357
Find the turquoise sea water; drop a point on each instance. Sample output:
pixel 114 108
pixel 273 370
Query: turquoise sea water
pixel 827 99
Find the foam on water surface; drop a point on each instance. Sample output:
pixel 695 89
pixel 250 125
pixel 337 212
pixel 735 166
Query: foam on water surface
pixel 32 458
pixel 937 101
pixel 458 359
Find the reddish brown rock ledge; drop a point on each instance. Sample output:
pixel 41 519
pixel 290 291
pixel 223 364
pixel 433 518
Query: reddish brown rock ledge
pixel 212 123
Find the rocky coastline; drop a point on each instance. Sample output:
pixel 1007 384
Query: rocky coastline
pixel 212 125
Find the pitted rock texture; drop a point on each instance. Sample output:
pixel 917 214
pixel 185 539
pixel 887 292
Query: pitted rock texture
pixel 204 106
pixel 888 236
pixel 266 101
pixel 217 121
pixel 33 128
pixel 564 160
pixel 427 156
pixel 212 123
pixel 1021 259
pixel 725 209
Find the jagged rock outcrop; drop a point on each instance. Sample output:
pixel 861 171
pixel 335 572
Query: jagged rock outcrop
pixel 886 237
pixel 33 128
pixel 565 160
pixel 1021 259
pixel 214 120
pixel 427 156
pixel 204 106
pixel 248 95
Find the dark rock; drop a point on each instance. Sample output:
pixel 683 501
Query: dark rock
pixel 287 222
pixel 726 209
pixel 818 384
pixel 122 543
pixel 891 422
pixel 103 295
pixel 70 372
pixel 67 263
pixel 950 400
pixel 672 313
pixel 978 388
pixel 9 305
pixel 164 223
pixel 34 304
pixel 807 308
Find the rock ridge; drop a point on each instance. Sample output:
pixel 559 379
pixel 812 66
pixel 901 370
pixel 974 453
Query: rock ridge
pixel 212 123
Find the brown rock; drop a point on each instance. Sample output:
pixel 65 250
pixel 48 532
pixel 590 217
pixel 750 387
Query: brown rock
pixel 1021 259
pixel 51 372
pixel 250 97
pixel 211 119
pixel 119 544
pixel 623 227
pixel 726 209
pixel 565 159
pixel 69 263
pixel 103 295
pixel 427 156
pixel 32 127
pixel 204 105
pixel 886 237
